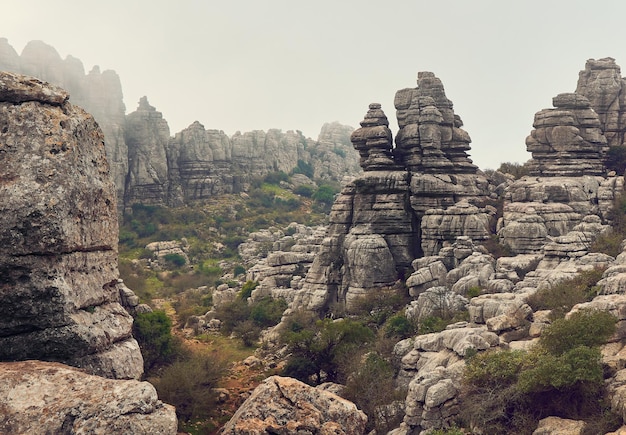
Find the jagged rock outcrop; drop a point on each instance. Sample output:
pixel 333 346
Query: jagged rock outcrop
pixel 58 236
pixel 601 83
pixel 568 182
pixel 285 405
pixel 378 223
pixel 45 397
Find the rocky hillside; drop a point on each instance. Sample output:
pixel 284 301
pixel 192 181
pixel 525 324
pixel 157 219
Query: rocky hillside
pixel 149 166
pixel 423 219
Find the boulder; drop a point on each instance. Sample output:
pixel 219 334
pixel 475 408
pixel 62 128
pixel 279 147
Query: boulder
pixel 46 397
pixel 285 405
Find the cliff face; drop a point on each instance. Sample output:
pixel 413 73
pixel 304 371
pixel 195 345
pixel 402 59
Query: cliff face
pixel 150 167
pixel 58 236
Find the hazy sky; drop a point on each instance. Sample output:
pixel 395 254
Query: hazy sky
pixel 294 65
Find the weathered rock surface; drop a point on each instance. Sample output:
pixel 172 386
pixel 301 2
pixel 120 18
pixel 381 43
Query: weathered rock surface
pixel 58 236
pixel 285 405
pixel 45 397
pixel 568 140
pixel 378 224
pixel 601 83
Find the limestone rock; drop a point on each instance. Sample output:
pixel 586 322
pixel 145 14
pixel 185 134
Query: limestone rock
pixel 373 140
pixel 147 135
pixel 462 219
pixel 601 83
pixel 46 397
pixel 59 234
pixel 567 140
pixel 285 405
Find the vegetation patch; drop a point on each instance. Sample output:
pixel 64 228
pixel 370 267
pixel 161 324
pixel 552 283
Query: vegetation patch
pixel 510 391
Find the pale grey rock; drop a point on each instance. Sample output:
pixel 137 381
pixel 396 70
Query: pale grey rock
pixel 47 397
pixel 435 301
pixel 462 219
pixel 59 234
pixel 560 426
pixel 285 405
pixel 567 140
pixel 601 83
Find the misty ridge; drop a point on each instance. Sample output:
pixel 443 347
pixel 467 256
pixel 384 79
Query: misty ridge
pixel 152 167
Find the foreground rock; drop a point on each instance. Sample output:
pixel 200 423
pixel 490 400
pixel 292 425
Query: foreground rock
pixel 284 406
pixel 58 236
pixel 43 397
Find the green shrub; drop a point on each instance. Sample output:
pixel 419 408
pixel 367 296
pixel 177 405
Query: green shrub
pixel 246 289
pixel 267 311
pixel 399 326
pixel 562 375
pixel 176 260
pixel 304 190
pixel 239 270
pixel 329 345
pixel 248 331
pixel 275 177
pixel 518 170
pixel 616 159
pixel 325 194
pixel 587 328
pixel 153 332
pixel 304 168
pixel 371 386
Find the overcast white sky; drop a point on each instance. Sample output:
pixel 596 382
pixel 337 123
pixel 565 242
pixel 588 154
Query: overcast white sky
pixel 294 65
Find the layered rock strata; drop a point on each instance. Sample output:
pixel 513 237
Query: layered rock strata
pixel 58 236
pixel 568 140
pixel 410 201
pixel 602 84
pixel 568 181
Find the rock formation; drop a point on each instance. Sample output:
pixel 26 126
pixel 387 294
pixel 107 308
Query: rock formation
pixel 568 179
pixel 567 141
pixel 59 235
pixel 44 397
pixel 147 135
pixel 285 405
pixel 379 222
pixel 601 83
